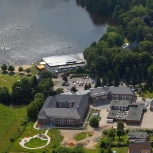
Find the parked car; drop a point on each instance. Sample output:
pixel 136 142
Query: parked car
pixel 77 82
pixel 87 77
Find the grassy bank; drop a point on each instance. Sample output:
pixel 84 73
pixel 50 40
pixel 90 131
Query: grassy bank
pixel 10 125
pixel 7 80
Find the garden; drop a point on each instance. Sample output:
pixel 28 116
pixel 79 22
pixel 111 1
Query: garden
pixel 35 142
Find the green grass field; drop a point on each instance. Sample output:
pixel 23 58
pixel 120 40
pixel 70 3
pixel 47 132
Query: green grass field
pixel 35 142
pixel 54 134
pixel 81 136
pixel 120 149
pixel 7 80
pixel 10 122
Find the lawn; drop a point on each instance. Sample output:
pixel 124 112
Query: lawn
pixel 81 136
pixel 120 149
pixel 10 125
pixel 35 142
pixel 96 150
pixel 54 134
pixel 7 80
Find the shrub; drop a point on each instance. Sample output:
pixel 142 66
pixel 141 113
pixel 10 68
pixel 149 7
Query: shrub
pixel 11 140
pixel 105 132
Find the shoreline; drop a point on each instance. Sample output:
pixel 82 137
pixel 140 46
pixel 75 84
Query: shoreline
pixel 23 66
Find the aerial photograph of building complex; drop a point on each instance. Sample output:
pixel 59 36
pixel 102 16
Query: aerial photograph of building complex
pixel 76 76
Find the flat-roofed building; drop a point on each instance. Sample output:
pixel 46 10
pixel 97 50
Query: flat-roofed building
pixel 135 114
pixel 64 62
pixel 99 94
pixel 122 93
pixel 137 136
pixel 120 104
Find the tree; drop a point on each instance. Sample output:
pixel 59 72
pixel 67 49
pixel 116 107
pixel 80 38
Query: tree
pixel 116 77
pixel 65 78
pixel 73 89
pixel 103 144
pixel 34 82
pixel 104 81
pixel 140 73
pixel 92 69
pixel 28 70
pixel 134 75
pixel 4 67
pixel 4 95
pixel 111 133
pixel 78 149
pixel 145 71
pixel 149 80
pixel 119 132
pixel 20 69
pixel 120 125
pixel 94 122
pixel 22 90
pixel 11 68
pixel 108 150
pixel 110 77
pixel 45 74
pixel 39 96
pixel 33 111
pixel 127 76
pixel 59 90
pixel 98 82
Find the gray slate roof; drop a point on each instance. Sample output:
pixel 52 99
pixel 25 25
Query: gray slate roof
pixel 138 136
pixel 121 90
pixel 79 92
pixel 116 114
pixel 49 108
pixel 135 112
pixel 124 103
pixel 99 91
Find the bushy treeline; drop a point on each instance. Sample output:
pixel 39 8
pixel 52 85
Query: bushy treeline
pixel 23 91
pixel 107 58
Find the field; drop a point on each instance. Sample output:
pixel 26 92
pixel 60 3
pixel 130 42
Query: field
pixel 120 150
pixel 35 142
pixel 7 80
pixel 54 134
pixel 81 136
pixel 10 125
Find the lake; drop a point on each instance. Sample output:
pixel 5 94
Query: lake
pixel 33 29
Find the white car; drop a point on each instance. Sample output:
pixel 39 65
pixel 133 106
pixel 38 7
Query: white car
pixel 77 82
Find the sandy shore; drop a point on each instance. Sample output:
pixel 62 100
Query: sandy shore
pixel 23 66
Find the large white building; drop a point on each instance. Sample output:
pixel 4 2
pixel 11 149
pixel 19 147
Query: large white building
pixel 64 62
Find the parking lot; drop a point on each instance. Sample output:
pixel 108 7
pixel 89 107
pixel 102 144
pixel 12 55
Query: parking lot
pixel 78 82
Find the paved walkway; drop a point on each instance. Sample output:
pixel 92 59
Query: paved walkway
pixel 25 140
pixel 42 137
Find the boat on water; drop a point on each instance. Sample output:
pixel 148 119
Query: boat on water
pixel 17 28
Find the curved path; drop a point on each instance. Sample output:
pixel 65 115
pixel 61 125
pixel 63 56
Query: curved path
pixel 22 142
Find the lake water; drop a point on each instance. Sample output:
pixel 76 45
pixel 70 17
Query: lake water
pixel 33 29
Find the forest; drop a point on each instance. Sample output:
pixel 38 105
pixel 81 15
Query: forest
pixel 125 50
